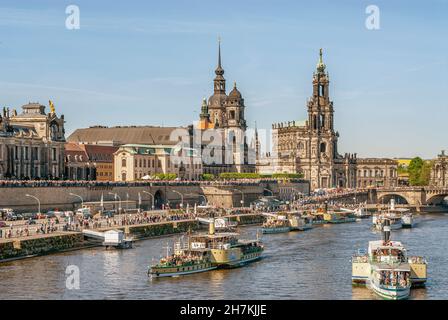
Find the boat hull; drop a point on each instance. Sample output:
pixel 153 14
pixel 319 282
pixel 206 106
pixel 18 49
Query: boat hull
pixel 302 228
pixel 244 260
pixel 275 230
pixel 391 293
pixel 183 270
pixel 342 220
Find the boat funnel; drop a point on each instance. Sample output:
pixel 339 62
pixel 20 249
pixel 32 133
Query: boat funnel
pixel 386 230
pixel 211 227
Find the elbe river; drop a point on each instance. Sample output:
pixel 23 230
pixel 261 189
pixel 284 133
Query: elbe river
pixel 314 264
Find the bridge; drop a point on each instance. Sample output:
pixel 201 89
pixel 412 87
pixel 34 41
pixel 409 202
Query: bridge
pixel 413 196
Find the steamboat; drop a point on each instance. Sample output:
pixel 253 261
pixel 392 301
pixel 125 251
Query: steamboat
pixel 387 270
pixel 205 252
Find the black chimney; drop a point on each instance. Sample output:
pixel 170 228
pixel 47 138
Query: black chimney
pixel 386 230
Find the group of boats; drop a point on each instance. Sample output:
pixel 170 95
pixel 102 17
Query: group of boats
pixel 301 221
pixel 397 217
pixel 281 223
pixel 384 267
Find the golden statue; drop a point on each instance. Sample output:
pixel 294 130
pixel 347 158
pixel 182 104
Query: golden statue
pixel 52 109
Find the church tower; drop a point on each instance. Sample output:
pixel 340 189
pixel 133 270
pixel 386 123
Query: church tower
pixel 322 138
pixel 235 109
pixel 216 103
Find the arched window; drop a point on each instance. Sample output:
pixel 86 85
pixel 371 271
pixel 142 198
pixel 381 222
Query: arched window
pixel 323 147
pixel 322 90
pixel 123 162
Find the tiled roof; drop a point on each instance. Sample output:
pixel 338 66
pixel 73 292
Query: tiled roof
pixel 124 135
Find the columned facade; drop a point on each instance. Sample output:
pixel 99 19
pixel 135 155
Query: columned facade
pixel 31 144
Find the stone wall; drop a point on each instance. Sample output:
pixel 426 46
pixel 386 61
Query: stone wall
pixel 40 245
pixel 52 198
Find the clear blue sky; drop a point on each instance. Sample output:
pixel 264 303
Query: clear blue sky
pixel 151 62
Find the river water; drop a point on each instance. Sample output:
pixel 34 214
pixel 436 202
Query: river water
pixel 300 265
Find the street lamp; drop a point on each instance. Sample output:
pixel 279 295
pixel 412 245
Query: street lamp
pixel 152 198
pixel 119 198
pixel 38 201
pixel 181 196
pixel 242 196
pixel 75 195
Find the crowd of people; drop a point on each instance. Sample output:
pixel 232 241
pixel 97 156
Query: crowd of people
pixel 18 231
pixel 77 183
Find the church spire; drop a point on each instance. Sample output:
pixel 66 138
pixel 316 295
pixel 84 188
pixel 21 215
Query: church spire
pixel 321 65
pixel 219 70
pixel 219 81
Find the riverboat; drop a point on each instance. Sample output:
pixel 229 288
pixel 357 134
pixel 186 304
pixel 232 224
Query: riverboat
pixel 277 224
pixel 407 220
pixel 387 270
pixel 205 252
pixel 300 222
pixel 361 212
pixel 339 217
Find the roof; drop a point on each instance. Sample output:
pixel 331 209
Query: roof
pixel 145 135
pixel 32 109
pixel 373 245
pixel 90 152
pixel 100 153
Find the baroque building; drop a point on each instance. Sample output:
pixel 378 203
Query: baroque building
pixel 439 171
pixel 224 147
pixel 32 143
pixel 89 162
pixel 136 162
pixel 311 147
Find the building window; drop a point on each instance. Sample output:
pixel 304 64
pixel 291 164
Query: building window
pixel 123 162
pixel 323 147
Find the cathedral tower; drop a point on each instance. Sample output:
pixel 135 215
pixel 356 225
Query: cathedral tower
pixel 217 101
pixel 322 138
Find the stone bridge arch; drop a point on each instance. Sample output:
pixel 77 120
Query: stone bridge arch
pixel 399 198
pixel 436 199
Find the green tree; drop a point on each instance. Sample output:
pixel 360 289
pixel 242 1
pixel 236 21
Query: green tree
pixel 208 177
pixel 419 172
pixel 414 170
pixel 425 173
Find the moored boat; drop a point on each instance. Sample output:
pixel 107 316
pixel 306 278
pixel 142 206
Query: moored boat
pixel 300 222
pixel 277 224
pixel 339 217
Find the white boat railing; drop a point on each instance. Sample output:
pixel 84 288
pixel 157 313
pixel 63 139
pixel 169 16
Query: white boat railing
pixel 417 260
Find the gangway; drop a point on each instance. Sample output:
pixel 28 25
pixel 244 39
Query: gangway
pixel 93 234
